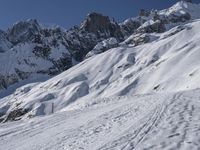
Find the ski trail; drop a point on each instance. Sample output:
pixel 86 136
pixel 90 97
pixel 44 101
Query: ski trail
pixel 104 126
pixel 81 129
pixel 150 122
pixel 135 135
pixel 178 128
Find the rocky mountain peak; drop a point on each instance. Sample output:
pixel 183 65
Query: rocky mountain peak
pixel 101 26
pixel 95 21
pixel 23 31
pixel 144 12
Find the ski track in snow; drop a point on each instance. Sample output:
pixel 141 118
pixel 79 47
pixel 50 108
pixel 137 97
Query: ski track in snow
pixel 143 122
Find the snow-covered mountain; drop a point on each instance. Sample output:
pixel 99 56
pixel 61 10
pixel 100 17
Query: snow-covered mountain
pixel 111 73
pixel 30 50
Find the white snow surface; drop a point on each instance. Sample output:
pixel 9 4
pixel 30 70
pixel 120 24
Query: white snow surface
pixel 152 121
pixel 144 97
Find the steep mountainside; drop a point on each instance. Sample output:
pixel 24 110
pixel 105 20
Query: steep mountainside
pixel 28 49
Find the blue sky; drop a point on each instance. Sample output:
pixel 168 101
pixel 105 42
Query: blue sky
pixel 67 13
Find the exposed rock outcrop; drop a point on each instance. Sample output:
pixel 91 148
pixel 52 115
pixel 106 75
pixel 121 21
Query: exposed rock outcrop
pixel 152 26
pixel 103 46
pixel 101 26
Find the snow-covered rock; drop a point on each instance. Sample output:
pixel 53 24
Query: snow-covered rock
pixel 23 31
pixel 103 46
pixel 182 9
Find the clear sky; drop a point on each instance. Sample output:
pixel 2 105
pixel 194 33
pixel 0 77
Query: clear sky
pixel 67 13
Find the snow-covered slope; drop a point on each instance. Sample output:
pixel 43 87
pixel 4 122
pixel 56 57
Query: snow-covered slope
pixel 158 121
pixel 145 86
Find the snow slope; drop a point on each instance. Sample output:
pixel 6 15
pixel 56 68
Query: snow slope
pixel 155 121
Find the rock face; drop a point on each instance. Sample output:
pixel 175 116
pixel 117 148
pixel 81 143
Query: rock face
pixel 129 26
pixel 23 31
pixel 138 39
pixel 152 26
pixel 15 115
pixel 94 29
pixel 179 18
pixel 80 42
pixel 101 26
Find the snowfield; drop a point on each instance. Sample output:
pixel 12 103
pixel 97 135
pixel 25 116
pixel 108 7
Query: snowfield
pixel 129 97
pixel 152 121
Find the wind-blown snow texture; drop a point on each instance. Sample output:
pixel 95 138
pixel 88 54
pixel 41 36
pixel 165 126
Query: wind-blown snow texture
pixel 143 93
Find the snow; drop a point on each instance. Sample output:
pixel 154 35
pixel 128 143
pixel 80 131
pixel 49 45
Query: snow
pixel 147 23
pixel 19 54
pixel 152 121
pixel 129 97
